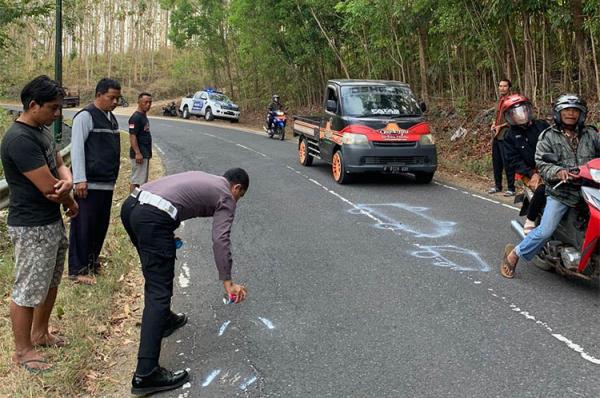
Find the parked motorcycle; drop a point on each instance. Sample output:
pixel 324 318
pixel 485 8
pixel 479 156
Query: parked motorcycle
pixel 170 110
pixel 279 120
pixel 573 249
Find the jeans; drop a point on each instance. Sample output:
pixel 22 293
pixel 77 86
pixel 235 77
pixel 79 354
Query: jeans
pixel 535 240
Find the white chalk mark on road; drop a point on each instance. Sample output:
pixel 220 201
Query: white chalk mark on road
pixel 246 383
pixel 267 323
pixel 209 379
pixel 223 327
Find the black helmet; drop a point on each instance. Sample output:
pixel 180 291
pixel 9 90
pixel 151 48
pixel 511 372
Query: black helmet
pixel 566 101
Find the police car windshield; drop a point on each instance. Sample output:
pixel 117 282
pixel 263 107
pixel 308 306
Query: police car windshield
pixel 379 101
pixel 219 97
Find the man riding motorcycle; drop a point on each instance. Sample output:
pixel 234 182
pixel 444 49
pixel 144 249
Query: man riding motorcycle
pixel 574 144
pixel 273 107
pixel 519 150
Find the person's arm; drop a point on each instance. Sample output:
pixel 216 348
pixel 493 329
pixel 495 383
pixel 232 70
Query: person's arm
pixel 135 127
pixel 514 158
pixel 63 187
pixel 549 171
pixel 82 124
pixel 221 234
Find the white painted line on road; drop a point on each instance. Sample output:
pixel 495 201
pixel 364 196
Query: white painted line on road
pixel 449 187
pixel 486 199
pixel 577 348
pixel 223 327
pixel 511 207
pixel 209 379
pixel 159 149
pixel 267 323
pixel 252 150
pixel 246 383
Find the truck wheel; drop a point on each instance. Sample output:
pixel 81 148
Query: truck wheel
pixel 186 113
pixel 422 177
pixel 208 115
pixel 303 155
pixel 338 168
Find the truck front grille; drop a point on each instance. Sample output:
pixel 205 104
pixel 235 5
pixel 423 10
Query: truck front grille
pixel 396 144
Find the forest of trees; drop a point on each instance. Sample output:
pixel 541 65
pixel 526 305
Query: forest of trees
pixel 448 50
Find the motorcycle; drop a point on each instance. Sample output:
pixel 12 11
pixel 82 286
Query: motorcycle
pixel 278 121
pixel 573 249
pixel 170 110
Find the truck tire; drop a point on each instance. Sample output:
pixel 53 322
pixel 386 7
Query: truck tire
pixel 422 177
pixel 186 112
pixel 338 168
pixel 304 157
pixel 208 115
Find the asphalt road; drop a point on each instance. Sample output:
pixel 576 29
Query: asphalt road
pixel 382 288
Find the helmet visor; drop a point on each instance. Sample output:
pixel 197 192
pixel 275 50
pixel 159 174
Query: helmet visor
pixel 519 115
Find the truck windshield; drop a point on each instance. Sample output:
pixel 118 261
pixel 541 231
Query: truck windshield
pixel 379 101
pixel 219 97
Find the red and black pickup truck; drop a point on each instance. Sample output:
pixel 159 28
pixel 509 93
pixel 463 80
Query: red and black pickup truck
pixel 368 125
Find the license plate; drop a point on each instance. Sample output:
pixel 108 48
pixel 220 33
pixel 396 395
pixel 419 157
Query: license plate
pixel 395 169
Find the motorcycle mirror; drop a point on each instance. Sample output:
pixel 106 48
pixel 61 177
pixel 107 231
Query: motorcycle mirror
pixel 423 107
pixel 331 106
pixel 550 158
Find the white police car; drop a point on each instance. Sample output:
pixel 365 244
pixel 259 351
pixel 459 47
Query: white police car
pixel 210 104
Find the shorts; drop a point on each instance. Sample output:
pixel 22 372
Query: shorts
pixel 39 261
pixel 139 172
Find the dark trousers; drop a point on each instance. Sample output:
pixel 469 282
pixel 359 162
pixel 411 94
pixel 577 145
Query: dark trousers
pixel 500 165
pixel 537 203
pixel 88 231
pixel 151 232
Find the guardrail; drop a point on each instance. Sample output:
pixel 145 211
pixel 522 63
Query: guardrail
pixel 4 193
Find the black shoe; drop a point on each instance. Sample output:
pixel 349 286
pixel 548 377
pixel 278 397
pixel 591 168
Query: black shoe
pixel 160 379
pixel 175 322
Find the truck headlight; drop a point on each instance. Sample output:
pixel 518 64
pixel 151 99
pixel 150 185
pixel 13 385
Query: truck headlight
pixel 426 139
pixel 355 139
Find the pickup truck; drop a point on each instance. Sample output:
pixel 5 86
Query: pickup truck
pixel 209 104
pixel 368 126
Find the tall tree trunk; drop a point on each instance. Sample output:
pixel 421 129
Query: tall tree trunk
pixel 580 44
pixel 422 36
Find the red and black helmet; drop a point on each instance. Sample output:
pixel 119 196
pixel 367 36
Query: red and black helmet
pixel 517 110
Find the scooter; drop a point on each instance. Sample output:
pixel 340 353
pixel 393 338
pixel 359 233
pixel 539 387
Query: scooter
pixel 279 121
pixel 170 110
pixel 573 249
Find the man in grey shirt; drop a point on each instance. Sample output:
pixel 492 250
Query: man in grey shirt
pixel 150 216
pixel 95 159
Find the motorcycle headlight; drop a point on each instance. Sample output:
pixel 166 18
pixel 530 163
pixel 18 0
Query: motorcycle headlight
pixel 595 175
pixel 591 196
pixel 355 139
pixel 426 139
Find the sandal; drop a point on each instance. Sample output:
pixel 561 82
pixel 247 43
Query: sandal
pixel 58 342
pixel 33 370
pixel 507 269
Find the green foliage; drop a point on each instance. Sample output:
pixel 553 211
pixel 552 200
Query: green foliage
pixel 5 121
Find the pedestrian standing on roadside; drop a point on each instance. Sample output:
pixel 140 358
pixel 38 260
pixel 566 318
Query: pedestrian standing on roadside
pixel 39 183
pixel 140 140
pixel 95 159
pixel 150 216
pixel 499 128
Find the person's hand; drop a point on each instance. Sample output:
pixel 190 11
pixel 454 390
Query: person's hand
pixel 139 159
pixel 72 209
pixel 562 175
pixel 81 190
pixel 534 181
pixel 62 190
pixel 238 290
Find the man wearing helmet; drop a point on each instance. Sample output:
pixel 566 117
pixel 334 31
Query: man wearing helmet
pixel 519 151
pixel 274 106
pixel 498 157
pixel 573 144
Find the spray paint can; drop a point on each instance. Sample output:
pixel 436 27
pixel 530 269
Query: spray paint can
pixel 229 298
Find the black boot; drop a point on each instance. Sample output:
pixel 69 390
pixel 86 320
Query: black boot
pixel 160 379
pixel 175 322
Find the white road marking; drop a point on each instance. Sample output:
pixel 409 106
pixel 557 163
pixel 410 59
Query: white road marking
pixel 184 276
pixel 511 207
pixel 267 323
pixel 223 327
pixel 486 199
pixel 209 379
pixel 246 383
pixel 159 149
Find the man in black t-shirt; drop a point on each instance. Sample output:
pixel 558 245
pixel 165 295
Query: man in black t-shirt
pixel 141 142
pixel 39 183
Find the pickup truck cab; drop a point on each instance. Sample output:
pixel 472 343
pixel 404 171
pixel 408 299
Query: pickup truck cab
pixel 368 126
pixel 209 104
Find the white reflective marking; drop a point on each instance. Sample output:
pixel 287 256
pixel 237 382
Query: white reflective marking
pixel 477 282
pixel 577 348
pixel 486 199
pixel 159 149
pixel 251 150
pixel 209 379
pixel 267 323
pixel 449 187
pixel 223 327
pixel 511 207
pixel 246 383
pixel 315 182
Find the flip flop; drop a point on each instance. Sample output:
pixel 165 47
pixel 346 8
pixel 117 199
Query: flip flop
pixel 58 343
pixel 24 365
pixel 507 270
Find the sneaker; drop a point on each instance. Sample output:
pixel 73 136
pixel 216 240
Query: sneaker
pixel 509 193
pixel 494 190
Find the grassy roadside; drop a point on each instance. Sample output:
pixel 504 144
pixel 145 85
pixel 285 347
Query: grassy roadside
pixel 100 322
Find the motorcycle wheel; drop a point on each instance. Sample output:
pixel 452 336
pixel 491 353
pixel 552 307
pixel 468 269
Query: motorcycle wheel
pixel 281 134
pixel 542 264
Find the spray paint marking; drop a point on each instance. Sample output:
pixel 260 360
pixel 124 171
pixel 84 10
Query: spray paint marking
pixel 223 327
pixel 209 379
pixel 474 263
pixel 247 382
pixel 184 276
pixel 439 228
pixel 267 323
